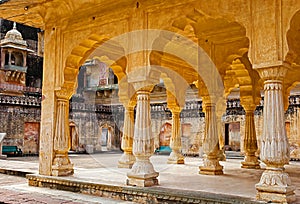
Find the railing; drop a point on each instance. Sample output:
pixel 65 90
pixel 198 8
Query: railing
pixel 20 100
pixel 19 88
pixel 15 68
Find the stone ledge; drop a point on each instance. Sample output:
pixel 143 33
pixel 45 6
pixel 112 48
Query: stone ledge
pixel 13 172
pixel 135 194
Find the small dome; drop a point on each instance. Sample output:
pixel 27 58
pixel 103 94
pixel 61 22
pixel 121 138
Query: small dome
pixel 14 33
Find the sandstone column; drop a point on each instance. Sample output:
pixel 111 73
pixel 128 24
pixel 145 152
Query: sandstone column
pixel 250 142
pixel 127 159
pixel 221 109
pixel 2 58
pixel 175 143
pixel 61 163
pixel 142 172
pixel 275 184
pixel 211 165
pixel 9 57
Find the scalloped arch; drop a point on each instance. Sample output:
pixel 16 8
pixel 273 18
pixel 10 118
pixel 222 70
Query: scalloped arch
pixel 81 52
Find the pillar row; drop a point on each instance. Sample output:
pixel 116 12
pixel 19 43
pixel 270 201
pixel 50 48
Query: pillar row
pixel 142 172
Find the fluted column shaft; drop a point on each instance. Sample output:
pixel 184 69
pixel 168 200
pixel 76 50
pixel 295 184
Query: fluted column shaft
pixel 142 172
pixel 211 163
pixel 275 184
pixel 127 159
pixel 61 163
pixel 250 142
pixel 275 146
pixel 175 143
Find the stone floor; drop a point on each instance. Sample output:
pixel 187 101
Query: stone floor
pixel 102 168
pixel 15 190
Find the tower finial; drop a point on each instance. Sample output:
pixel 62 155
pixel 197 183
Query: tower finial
pixel 15 26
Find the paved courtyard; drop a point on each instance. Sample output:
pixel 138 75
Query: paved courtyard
pixel 15 190
pixel 102 168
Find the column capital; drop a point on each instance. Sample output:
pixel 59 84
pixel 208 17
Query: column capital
pixel 144 78
pixel 174 108
pixel 207 100
pixel 129 104
pixel 248 104
pixel 65 92
pixel 276 72
pixel 143 86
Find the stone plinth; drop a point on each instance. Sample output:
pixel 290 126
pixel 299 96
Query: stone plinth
pixel 275 186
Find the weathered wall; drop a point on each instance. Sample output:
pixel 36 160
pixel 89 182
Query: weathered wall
pixel 15 113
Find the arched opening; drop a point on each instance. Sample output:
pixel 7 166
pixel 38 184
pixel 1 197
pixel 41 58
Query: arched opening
pixel 74 137
pixel 107 138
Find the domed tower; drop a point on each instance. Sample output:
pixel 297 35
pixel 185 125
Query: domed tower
pixel 13 61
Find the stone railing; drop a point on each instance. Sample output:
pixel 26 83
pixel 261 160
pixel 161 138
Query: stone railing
pixel 21 100
pixel 78 106
pixel 19 88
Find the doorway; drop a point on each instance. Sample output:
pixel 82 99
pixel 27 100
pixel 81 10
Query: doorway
pixel 31 138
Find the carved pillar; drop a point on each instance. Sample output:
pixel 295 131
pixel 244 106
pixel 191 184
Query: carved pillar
pixel 61 163
pixel 175 143
pixel 142 172
pixel 211 165
pixel 127 159
pixel 9 57
pixel 275 184
pixel 220 110
pixel 24 59
pixel 2 58
pixel 250 142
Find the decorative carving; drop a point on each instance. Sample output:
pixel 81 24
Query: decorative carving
pixel 61 163
pixel 65 92
pixel 142 172
pixel 273 73
pixel 275 186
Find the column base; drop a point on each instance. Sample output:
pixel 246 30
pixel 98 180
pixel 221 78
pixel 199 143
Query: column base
pixel 250 162
pixel 250 165
pixel 145 180
pixel 275 186
pixel 175 158
pixel 62 166
pixel 142 174
pixel 126 161
pixel 211 167
pixel 221 156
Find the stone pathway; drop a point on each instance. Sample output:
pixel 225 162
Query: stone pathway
pixel 15 190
